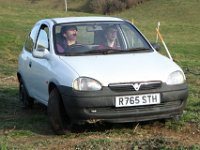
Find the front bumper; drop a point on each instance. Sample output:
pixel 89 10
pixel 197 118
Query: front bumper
pixel 100 105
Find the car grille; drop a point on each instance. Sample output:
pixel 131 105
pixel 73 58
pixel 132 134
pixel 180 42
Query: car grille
pixel 135 86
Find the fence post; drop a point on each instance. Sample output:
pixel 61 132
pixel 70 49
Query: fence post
pixel 66 5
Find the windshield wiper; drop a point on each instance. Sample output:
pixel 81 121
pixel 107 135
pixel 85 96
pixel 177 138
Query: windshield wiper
pixel 138 49
pixel 107 51
pixel 102 51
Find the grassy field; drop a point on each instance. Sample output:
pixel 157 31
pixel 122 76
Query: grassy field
pixel 29 129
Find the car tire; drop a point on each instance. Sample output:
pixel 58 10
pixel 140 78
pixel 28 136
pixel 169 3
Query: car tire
pixel 56 113
pixel 24 97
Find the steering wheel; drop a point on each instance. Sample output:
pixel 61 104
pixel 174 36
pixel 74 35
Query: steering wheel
pixel 78 48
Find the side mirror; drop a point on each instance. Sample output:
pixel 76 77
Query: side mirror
pixel 41 53
pixel 156 46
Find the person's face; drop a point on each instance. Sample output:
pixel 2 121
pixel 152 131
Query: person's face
pixel 71 34
pixel 111 34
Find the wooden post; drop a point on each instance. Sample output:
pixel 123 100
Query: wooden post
pixel 158 27
pixel 163 42
pixel 66 5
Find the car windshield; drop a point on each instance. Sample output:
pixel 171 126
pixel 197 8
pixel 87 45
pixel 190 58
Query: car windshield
pixel 94 38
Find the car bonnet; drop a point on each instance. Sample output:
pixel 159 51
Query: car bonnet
pixel 120 68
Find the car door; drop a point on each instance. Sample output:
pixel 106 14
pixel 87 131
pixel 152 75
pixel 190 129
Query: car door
pixel 40 67
pixel 26 57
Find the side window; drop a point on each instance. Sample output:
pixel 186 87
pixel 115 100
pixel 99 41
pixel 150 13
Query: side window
pixel 31 38
pixel 43 40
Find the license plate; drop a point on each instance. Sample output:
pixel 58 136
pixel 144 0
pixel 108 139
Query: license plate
pixel 137 100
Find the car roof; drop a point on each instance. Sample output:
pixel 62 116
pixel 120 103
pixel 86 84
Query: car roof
pixel 84 19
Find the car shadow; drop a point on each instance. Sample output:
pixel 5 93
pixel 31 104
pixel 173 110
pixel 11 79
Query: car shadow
pixel 35 120
pixel 14 117
pixel 118 127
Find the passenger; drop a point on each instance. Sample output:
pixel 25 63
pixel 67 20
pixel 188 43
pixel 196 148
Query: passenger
pixel 110 41
pixel 68 38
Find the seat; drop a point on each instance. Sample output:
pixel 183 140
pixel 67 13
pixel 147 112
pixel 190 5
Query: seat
pixel 99 37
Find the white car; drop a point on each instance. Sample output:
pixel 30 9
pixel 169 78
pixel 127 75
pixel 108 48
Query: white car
pixel 121 79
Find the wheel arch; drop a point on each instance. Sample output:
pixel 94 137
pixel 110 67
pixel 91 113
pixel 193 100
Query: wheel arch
pixel 52 85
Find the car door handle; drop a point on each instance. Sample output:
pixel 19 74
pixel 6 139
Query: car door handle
pixel 30 64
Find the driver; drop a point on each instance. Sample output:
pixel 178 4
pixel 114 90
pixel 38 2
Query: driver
pixel 68 38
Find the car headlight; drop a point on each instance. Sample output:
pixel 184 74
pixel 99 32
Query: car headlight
pixel 86 84
pixel 176 77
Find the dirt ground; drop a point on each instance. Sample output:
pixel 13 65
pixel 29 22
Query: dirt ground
pixel 188 134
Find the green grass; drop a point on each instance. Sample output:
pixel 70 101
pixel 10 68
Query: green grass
pixel 29 129
pixel 145 144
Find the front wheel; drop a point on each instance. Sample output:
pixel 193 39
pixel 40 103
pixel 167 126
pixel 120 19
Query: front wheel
pixel 56 113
